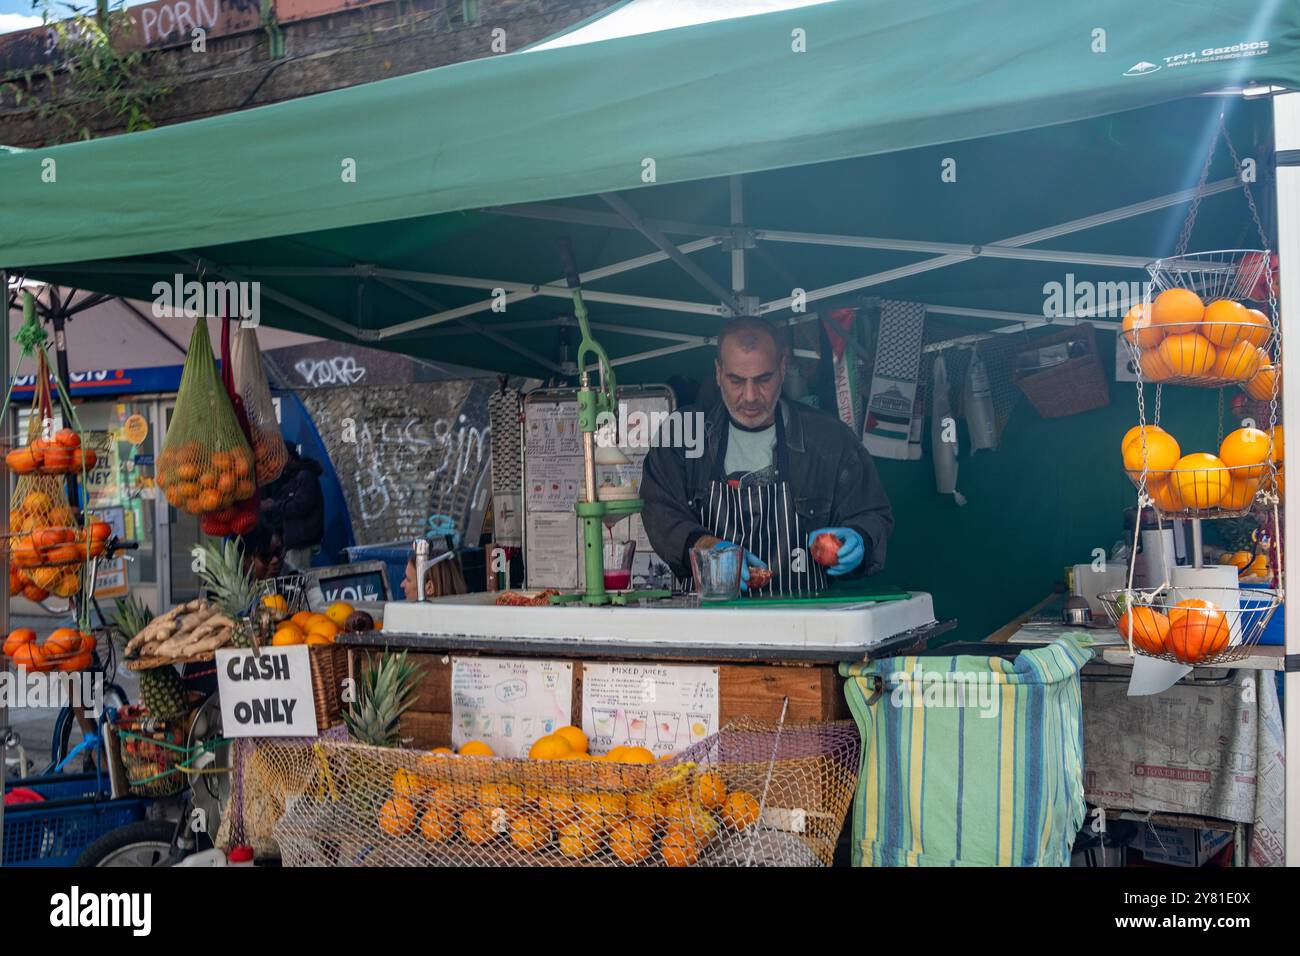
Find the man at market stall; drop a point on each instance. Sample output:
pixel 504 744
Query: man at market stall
pixel 773 476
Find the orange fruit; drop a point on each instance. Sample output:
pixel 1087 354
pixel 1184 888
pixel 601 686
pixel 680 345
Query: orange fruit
pixel 1245 450
pixel 1153 366
pixel 1279 445
pixel 588 808
pixel 1162 451
pixel 1238 363
pixel 616 754
pixel 1262 385
pixel 476 748
pixel 338 612
pixel 556 806
pixel 476 826
pixel 740 810
pixel 1187 354
pixel 1138 328
pixel 1258 328
pixel 287 634
pixel 550 747
pixel 711 790
pixel 1177 310
pixel 407 784
pixel 79 661
pixel 1136 431
pixel 438 825
pixel 318 640
pixel 529 832
pixel 323 627
pixel 501 795
pixel 302 619
pixel 641 806
pixel 1201 480
pixel 276 603
pixel 1150 628
pixel 578 840
pixel 1240 494
pixel 1223 322
pixel 631 841
pixel 1165 495
pixel 17 638
pixel 576 738
pixel 679 848
pixel 62 642
pixel 397 816
pixel 636 755
pixel 30 657
pixel 33 593
pixel 1199 632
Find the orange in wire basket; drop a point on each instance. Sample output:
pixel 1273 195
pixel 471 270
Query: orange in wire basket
pixel 1165 495
pixel 1198 631
pixel 1150 629
pixel 711 789
pixel 397 816
pixel 679 847
pixel 1246 451
pixel 1201 479
pixel 529 832
pixel 576 739
pixel 1262 385
pixel 1177 310
pixel 476 826
pixel 1241 492
pixel 740 811
pixel 1258 329
pixel 1187 354
pixel 579 839
pixel 1240 362
pixel 438 825
pixel 631 841
pixel 1223 322
pixel 1162 451
pixel 1138 328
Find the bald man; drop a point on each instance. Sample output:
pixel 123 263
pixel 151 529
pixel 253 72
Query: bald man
pixel 773 476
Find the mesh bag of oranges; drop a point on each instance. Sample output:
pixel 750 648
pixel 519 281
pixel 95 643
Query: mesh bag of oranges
pixel 269 451
pixel 753 794
pixel 206 465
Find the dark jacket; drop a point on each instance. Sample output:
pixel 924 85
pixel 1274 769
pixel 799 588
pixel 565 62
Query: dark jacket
pixel 299 507
pixel 831 475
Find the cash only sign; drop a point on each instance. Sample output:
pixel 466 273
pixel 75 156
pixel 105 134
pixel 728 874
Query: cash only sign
pixel 267 694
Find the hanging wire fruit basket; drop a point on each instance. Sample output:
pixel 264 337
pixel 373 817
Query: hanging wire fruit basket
pixel 1208 319
pixel 1200 626
pixel 1213 492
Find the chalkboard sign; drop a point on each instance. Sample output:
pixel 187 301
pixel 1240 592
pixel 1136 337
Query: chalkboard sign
pixel 362 581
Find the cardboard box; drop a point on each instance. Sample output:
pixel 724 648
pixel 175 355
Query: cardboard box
pixel 1182 846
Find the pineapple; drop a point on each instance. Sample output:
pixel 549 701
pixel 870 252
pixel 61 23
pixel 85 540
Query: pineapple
pixel 161 689
pixel 230 585
pixel 387 690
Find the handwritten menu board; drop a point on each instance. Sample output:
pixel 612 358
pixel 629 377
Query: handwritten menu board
pixel 660 707
pixel 508 704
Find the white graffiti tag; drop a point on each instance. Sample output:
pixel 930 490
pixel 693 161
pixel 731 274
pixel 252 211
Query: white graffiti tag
pixel 399 466
pixel 340 370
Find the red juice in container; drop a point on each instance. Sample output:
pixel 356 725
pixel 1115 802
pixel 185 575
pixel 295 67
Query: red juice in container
pixel 618 580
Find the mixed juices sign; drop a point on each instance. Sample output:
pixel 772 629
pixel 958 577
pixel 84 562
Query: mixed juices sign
pixel 660 707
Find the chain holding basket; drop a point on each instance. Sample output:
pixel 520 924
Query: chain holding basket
pixel 1208 319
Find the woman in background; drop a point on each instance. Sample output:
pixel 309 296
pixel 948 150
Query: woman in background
pixel 443 579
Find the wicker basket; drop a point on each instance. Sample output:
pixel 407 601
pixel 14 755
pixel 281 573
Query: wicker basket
pixel 329 668
pixel 1078 384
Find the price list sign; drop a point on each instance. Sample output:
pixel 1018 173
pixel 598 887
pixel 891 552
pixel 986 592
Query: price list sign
pixel 663 708
pixel 509 704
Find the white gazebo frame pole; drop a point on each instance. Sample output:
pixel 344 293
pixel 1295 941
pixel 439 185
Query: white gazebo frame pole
pixel 1286 138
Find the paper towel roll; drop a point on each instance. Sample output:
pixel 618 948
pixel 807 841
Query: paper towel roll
pixel 1217 584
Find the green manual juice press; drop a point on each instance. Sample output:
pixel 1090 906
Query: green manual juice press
pixel 592 511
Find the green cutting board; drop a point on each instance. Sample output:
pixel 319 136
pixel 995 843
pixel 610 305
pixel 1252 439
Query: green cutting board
pixel 856 594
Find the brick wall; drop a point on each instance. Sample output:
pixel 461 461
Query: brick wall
pixel 341 49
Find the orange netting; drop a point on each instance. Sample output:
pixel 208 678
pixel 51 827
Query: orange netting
pixel 269 451
pixel 205 465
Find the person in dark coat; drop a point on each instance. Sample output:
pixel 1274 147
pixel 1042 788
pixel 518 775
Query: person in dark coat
pixel 771 477
pixel 295 505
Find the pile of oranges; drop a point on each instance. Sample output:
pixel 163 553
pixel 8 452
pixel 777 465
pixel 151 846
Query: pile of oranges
pixel 1200 481
pixel 608 821
pixel 60 455
pixel 1192 631
pixel 64 650
pixel 1179 337
pixel 308 627
pixel 200 481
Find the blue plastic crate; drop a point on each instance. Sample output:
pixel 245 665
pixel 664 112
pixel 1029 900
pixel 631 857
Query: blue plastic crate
pixel 77 810
pixel 1275 629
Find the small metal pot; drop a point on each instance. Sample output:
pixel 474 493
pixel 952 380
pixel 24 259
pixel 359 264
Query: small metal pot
pixel 1077 611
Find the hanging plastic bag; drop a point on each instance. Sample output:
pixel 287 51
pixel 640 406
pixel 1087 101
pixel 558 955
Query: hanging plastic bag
pixel 943 434
pixel 269 452
pixel 977 404
pixel 206 465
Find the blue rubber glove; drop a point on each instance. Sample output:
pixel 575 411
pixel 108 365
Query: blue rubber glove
pixel 751 561
pixel 852 549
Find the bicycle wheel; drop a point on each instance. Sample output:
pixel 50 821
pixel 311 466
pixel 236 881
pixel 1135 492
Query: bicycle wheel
pixel 145 843
pixel 64 740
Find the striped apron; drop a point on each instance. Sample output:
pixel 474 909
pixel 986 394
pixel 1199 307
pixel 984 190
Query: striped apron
pixel 761 518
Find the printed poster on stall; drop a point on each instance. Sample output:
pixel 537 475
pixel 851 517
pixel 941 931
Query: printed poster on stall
pixel 664 708
pixel 509 704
